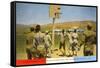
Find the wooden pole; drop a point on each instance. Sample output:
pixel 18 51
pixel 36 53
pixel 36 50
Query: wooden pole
pixel 53 33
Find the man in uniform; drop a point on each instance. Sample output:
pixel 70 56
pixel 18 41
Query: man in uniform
pixel 39 43
pixel 48 43
pixel 29 43
pixel 90 39
pixel 69 35
pixel 74 44
pixel 62 43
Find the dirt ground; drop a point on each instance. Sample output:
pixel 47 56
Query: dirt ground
pixel 57 52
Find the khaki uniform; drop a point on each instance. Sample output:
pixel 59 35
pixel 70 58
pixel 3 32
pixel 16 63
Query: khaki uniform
pixel 62 41
pixel 29 44
pixel 48 43
pixel 89 39
pixel 74 41
pixel 39 43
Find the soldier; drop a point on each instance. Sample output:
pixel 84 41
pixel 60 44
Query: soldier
pixel 74 44
pixel 39 43
pixel 70 42
pixel 48 43
pixel 62 42
pixel 90 39
pixel 29 43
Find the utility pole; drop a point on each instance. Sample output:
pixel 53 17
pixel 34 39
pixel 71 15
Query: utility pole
pixel 54 13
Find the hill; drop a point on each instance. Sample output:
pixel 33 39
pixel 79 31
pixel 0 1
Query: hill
pixel 20 28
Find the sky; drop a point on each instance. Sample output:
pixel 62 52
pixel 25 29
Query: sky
pixel 39 13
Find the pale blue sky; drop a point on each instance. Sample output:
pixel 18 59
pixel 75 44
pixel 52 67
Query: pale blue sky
pixel 39 13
